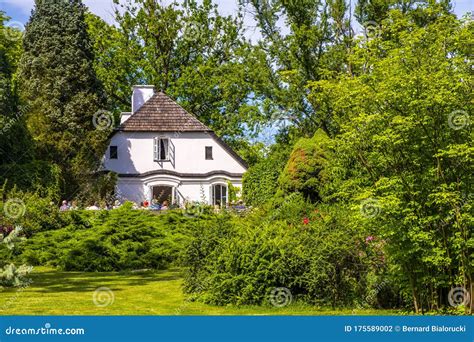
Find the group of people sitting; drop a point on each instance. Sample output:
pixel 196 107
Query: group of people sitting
pixel 154 205
pixel 65 206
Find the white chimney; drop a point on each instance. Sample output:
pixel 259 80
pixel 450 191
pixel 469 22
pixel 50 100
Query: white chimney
pixel 141 94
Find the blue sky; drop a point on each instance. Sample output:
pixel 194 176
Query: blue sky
pixel 19 10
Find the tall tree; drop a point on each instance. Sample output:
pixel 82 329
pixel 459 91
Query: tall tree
pixel 405 156
pixel 305 40
pixel 60 85
pixel 191 52
pixel 375 11
pixel 15 146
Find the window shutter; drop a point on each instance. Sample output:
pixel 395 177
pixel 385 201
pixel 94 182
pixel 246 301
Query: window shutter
pixel 166 149
pixel 155 149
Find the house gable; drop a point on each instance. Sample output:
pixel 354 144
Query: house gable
pixel 161 115
pixel 162 146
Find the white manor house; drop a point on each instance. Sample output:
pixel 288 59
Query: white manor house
pixel 162 152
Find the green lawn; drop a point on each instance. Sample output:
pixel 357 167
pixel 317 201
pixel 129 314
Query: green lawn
pixel 147 293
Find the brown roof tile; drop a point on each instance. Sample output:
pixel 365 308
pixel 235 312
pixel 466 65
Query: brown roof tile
pixel 162 114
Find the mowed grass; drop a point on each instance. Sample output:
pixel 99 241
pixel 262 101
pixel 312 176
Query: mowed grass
pixel 134 293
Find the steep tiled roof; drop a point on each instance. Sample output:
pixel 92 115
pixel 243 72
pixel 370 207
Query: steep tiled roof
pixel 161 113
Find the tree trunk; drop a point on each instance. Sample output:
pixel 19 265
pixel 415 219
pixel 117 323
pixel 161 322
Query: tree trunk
pixel 414 294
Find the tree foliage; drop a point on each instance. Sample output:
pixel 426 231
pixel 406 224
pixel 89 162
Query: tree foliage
pixel 406 145
pixel 15 145
pixel 305 171
pixel 58 82
pixel 191 52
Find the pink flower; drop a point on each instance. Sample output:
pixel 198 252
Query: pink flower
pixel 369 238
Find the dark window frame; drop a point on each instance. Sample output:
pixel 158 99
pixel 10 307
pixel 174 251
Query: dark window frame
pixel 220 194
pixel 113 152
pixel 161 150
pixel 208 153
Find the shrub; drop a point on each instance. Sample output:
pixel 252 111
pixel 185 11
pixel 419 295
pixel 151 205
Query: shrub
pixel 260 180
pixel 121 239
pixel 305 170
pixel 318 255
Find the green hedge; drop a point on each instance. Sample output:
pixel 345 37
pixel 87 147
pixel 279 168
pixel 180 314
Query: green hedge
pixel 260 182
pixel 315 253
pixel 120 239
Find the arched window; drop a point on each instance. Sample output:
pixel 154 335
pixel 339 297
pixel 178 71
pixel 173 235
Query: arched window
pixel 219 195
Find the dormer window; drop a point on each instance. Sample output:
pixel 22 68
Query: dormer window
pixel 161 148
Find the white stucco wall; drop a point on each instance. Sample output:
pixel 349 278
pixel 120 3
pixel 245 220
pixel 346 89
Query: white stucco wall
pixel 135 157
pixel 139 190
pixel 135 154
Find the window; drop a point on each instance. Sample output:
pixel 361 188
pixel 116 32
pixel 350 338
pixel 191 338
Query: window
pixel 113 152
pixel 209 153
pixel 161 149
pixel 219 195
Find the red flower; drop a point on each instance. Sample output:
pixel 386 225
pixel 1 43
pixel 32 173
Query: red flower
pixel 305 220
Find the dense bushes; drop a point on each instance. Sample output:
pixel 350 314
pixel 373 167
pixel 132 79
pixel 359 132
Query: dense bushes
pixel 315 253
pixel 121 239
pixel 260 181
